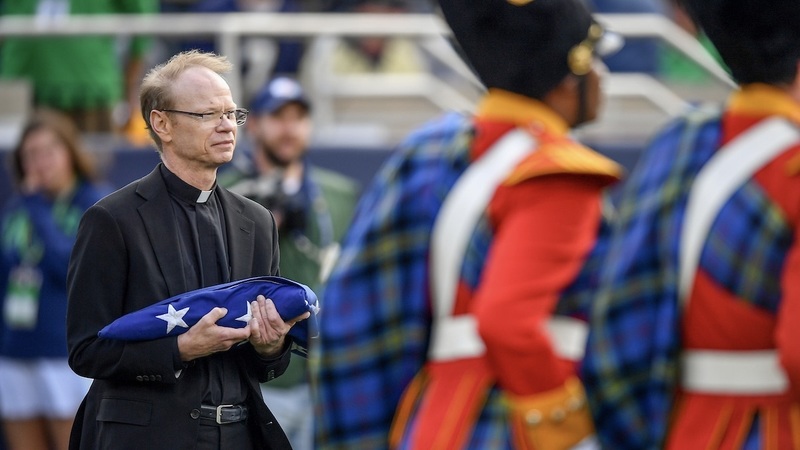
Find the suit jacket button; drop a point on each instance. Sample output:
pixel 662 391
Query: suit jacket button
pixel 145 378
pixel 195 414
pixel 271 375
pixel 158 377
pixel 139 378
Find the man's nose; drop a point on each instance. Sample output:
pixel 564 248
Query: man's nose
pixel 227 123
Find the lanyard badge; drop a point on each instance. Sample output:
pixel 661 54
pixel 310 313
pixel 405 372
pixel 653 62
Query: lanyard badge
pixel 21 306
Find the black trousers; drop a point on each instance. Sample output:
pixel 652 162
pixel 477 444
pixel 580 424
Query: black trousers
pixel 223 437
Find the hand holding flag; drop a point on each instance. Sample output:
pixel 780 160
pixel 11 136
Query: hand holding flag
pixel 175 315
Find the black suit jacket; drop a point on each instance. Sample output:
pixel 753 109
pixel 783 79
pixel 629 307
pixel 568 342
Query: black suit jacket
pixel 126 257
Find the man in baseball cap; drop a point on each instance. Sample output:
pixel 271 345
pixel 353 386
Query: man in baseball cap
pixel 278 93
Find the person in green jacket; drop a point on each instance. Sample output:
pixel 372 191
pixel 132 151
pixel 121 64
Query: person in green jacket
pixel 312 207
pixel 83 76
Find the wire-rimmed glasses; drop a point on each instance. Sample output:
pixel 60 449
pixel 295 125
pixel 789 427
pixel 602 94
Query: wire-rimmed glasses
pixel 238 115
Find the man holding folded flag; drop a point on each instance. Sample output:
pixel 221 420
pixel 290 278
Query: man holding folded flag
pixel 195 383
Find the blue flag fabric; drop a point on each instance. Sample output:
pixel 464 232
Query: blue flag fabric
pixel 175 315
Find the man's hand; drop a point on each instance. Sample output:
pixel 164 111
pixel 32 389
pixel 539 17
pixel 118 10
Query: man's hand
pixel 267 328
pixel 206 337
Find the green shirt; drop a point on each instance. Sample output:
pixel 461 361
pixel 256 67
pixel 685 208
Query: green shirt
pixel 81 72
pixel 678 68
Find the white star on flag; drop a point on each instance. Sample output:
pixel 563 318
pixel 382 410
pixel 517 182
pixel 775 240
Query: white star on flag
pixel 174 318
pixel 249 315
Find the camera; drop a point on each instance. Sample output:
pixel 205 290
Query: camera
pixel 286 201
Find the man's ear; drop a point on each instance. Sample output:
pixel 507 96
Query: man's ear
pixel 161 125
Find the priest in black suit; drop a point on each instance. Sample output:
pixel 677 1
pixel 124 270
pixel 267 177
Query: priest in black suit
pixel 170 232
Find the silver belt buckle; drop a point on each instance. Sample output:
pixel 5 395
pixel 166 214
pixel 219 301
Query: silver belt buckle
pixel 219 413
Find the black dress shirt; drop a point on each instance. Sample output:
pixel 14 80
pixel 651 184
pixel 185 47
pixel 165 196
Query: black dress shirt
pixel 203 248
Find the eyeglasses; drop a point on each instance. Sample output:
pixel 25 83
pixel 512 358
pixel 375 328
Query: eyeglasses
pixel 238 115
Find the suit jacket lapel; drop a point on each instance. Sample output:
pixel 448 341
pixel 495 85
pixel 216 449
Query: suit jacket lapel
pixel 162 231
pixel 241 235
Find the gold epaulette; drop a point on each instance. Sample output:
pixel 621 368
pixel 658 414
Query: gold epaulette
pixel 564 157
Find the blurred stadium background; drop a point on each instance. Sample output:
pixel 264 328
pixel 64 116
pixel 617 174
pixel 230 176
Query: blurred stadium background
pixel 360 117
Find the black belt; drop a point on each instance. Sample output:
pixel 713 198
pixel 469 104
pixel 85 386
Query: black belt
pixel 223 414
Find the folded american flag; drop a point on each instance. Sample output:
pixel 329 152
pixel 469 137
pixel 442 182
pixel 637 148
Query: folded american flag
pixel 175 315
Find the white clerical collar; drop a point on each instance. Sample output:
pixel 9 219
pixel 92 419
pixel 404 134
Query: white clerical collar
pixel 203 197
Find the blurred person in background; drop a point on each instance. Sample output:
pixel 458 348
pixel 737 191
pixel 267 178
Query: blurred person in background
pixel 83 76
pixel 675 67
pixel 262 57
pixel 455 315
pixel 39 393
pixel 366 54
pixel 694 334
pixel 175 6
pixel 312 207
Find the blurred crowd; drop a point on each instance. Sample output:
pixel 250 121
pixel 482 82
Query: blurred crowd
pixel 95 79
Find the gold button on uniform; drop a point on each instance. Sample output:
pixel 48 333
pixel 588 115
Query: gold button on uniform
pixel 533 417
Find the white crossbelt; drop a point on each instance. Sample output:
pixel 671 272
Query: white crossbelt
pixel 727 372
pixel 456 337
pixel 713 371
